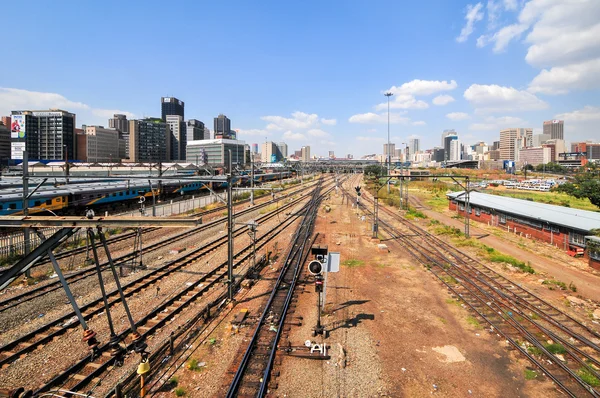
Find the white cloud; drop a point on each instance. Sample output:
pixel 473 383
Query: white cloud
pixel 254 132
pixel 369 139
pixel 588 113
pixel 502 37
pixel 422 87
pixel 329 122
pixel 497 123
pixel 443 99
pixel 561 79
pixel 371 117
pixel 13 99
pixel 494 98
pixel 419 123
pixel 473 14
pixel 299 120
pixel 457 116
pixel 510 5
pixel 318 133
pixel 493 10
pixel 289 135
pixel 404 101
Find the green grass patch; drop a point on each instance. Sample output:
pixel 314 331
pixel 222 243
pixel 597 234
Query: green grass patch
pixel 530 374
pixel 453 302
pixel 552 283
pixel 353 263
pixel 193 365
pixel 382 265
pixel 173 381
pixel 533 350
pixel 449 279
pixel 588 377
pixel 497 257
pixel 471 320
pixel 180 392
pixel 555 348
pixel 448 230
pixel 412 213
pixel 534 316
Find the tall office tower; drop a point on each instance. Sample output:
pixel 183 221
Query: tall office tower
pixel 97 144
pixel 555 128
pixel 495 146
pixel 222 127
pixel 447 133
pixel 119 122
pixel 4 144
pixel 511 140
pixel 282 150
pixel 149 140
pixel 305 154
pixel 47 135
pixel 171 106
pixel 331 155
pixel 450 137
pixel 389 151
pixel 195 130
pixel 539 139
pixel 6 121
pixel 207 133
pixel 255 148
pixel 268 152
pixel 455 149
pixel 178 137
pixel 437 154
pixel 414 145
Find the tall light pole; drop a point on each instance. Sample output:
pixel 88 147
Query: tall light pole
pixel 388 157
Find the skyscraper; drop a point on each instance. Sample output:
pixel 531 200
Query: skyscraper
pixel 178 137
pixel 195 130
pixel 255 148
pixel 222 127
pixel 119 122
pixel 171 106
pixel 149 140
pixel 268 152
pixel 555 129
pixel 305 153
pixel 282 150
pixel 447 133
pixel 513 139
pixel 389 151
pixel 414 145
pixel 448 137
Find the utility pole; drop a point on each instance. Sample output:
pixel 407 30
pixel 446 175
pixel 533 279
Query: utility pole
pixel 230 230
pixel 388 157
pixel 26 231
pixel 252 179
pixel 467 205
pixel 375 212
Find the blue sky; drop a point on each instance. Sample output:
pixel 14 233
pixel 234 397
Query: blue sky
pixel 314 72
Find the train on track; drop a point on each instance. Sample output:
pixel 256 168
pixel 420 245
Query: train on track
pixel 75 198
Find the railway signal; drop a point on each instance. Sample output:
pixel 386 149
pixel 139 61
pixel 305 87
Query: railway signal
pixel 323 263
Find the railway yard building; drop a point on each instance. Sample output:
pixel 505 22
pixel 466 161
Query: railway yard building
pixel 564 227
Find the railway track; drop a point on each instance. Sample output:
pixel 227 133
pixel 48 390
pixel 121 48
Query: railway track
pixel 253 373
pixel 44 334
pixel 76 276
pixel 84 376
pixel 561 347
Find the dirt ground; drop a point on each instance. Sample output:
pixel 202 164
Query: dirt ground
pixel 394 330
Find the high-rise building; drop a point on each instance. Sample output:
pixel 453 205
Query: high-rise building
pixel 119 122
pixel 331 155
pixel 449 138
pixel 495 146
pixel 98 144
pixel 414 145
pixel 446 133
pixel 195 130
pixel 535 155
pixel 282 150
pixel 305 153
pixel 47 135
pixel 171 106
pixel 268 152
pixel 149 140
pixel 255 148
pixel 4 144
pixel 6 121
pixel 556 147
pixel 455 149
pixel 389 150
pixel 511 140
pixel 178 137
pixel 555 128
pixel 222 127
pixel 539 139
pixel 216 152
pixel 437 154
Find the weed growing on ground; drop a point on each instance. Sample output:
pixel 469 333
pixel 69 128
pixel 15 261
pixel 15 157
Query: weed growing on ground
pixel 452 301
pixel 588 377
pixel 353 263
pixel 534 350
pixel 471 320
pixel 173 381
pixel 530 374
pixel 180 392
pixel 551 283
pixel 572 287
pixel 413 213
pixel 193 365
pixel 555 348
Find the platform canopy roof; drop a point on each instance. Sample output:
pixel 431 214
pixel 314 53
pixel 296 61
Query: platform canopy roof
pixel 568 217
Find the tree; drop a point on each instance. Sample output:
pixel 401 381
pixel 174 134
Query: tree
pixel 374 170
pixel 584 185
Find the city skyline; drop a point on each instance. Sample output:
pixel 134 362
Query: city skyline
pixel 492 77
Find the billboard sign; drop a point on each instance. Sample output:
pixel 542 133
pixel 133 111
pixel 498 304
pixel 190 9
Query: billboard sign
pixel 16 150
pixel 17 126
pixel 273 158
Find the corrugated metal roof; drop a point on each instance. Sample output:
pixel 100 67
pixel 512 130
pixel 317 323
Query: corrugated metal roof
pixel 558 215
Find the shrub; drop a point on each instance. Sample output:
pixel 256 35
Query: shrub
pixel 556 348
pixel 179 391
